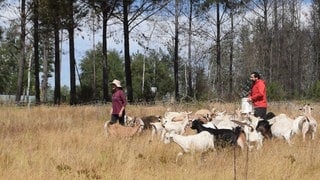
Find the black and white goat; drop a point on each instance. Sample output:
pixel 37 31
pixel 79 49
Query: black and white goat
pixel 252 135
pixel 264 127
pixel 223 137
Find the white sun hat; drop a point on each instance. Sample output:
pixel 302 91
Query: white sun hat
pixel 117 83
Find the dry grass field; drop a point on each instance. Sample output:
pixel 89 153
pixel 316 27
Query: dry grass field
pixel 64 142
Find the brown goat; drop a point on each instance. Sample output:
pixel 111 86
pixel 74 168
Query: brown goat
pixel 117 130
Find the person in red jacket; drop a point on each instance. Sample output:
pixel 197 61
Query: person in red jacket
pixel 258 95
pixel 119 103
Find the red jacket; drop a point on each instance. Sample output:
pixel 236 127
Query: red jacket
pixel 258 94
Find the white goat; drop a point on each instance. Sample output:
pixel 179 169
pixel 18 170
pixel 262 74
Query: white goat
pixel 202 142
pixel 312 123
pixel 223 120
pixel 175 116
pixel 253 136
pixel 205 112
pixel 157 129
pixel 285 127
pixel 178 127
pixel 226 124
pixel 204 115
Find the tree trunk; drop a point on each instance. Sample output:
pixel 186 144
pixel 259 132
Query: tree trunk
pixel 218 81
pixel 44 82
pixel 94 82
pixel 316 39
pixel 189 87
pixel 73 92
pixel 57 86
pixel 176 49
pixel 127 51
pixel 231 57
pixel 276 50
pixel 268 42
pixel 36 50
pixel 105 71
pixel 22 58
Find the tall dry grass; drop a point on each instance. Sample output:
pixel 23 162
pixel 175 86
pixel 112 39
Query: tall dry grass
pixel 69 143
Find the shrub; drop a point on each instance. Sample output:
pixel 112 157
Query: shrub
pixel 314 91
pixel 275 91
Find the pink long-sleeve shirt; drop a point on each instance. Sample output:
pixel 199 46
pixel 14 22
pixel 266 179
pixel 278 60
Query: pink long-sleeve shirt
pixel 118 101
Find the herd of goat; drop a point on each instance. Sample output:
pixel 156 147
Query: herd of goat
pixel 217 129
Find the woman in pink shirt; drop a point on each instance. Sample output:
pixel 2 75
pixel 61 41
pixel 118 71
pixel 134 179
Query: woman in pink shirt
pixel 258 95
pixel 119 103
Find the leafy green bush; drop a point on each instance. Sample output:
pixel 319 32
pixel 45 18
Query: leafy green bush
pixel 314 91
pixel 275 91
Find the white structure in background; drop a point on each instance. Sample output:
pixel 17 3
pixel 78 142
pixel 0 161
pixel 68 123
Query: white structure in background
pixel 5 98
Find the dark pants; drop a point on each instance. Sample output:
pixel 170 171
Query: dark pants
pixel 260 112
pixel 115 118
